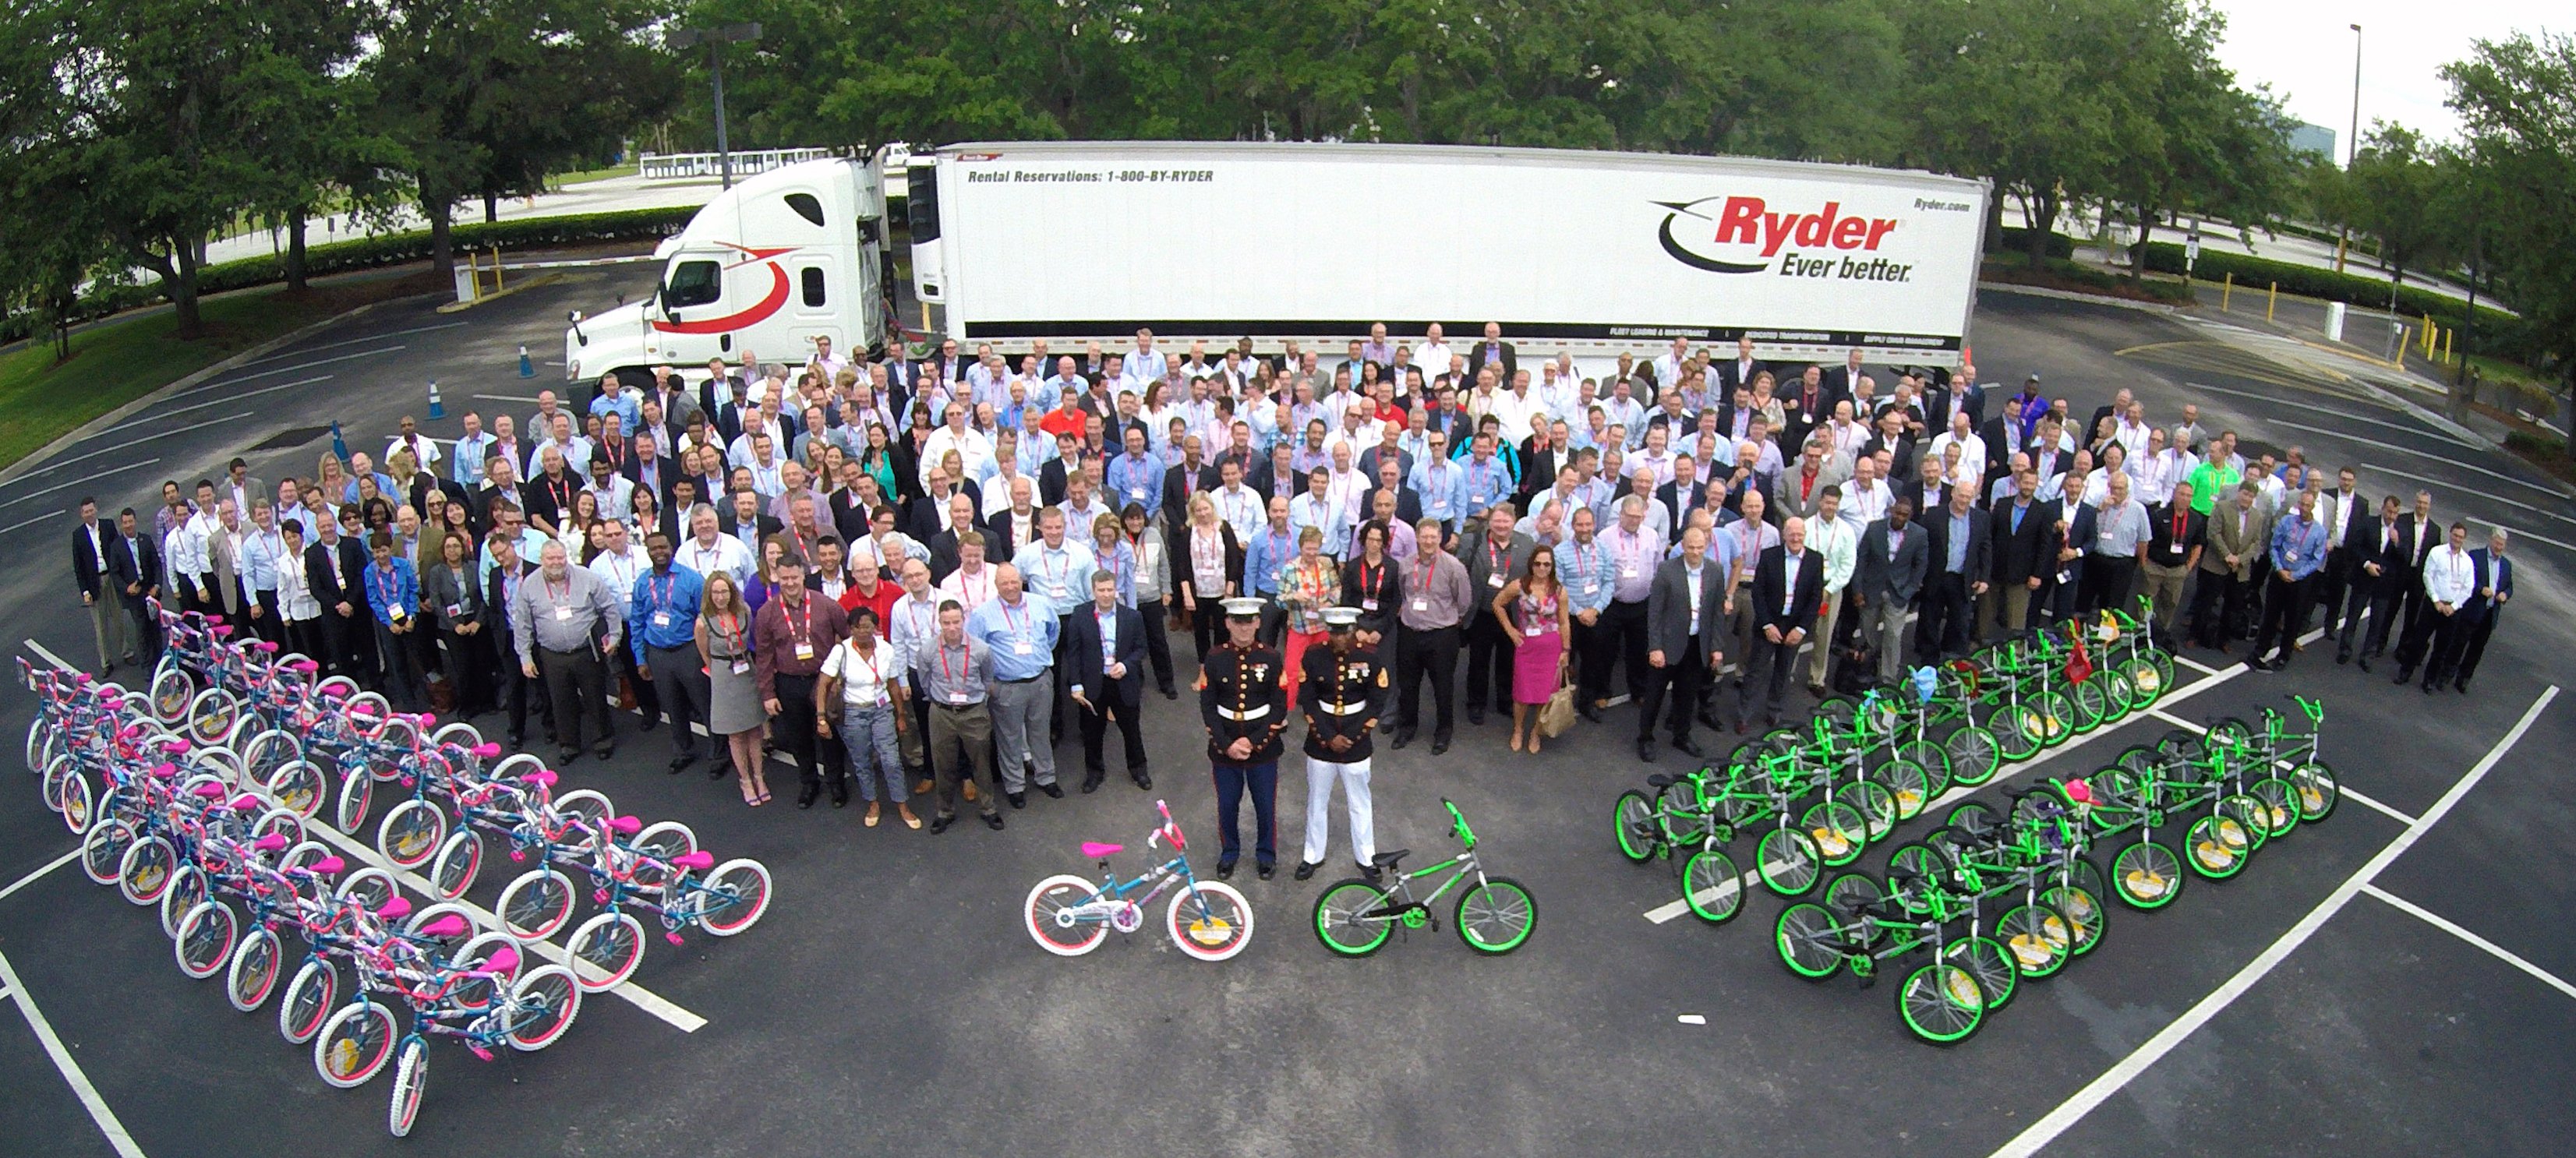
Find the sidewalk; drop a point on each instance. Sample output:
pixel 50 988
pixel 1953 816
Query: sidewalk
pixel 606 196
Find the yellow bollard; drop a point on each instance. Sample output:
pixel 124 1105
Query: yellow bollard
pixel 2226 290
pixel 2446 345
pixel 496 269
pixel 2273 302
pixel 2429 327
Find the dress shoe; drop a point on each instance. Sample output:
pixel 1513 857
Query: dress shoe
pixel 1306 870
pixel 841 798
pixel 1169 694
pixel 921 787
pixel 650 723
pixel 1267 871
pixel 939 824
pixel 604 751
pixel 1646 749
pixel 1585 709
pixel 681 762
pixel 516 740
pixel 1091 784
pixel 1439 745
pixel 1690 747
pixel 1053 792
pixel 2405 672
pixel 1816 690
pixel 719 770
pixel 2428 687
pixel 2461 686
pixel 1143 780
pixel 1371 873
pixel 993 820
pixel 1017 799
pixel 567 755
pixel 1225 870
pixel 1386 729
pixel 1402 738
pixel 2363 663
pixel 805 796
pixel 1475 717
pixel 2343 657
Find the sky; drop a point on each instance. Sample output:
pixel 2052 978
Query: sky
pixel 2304 50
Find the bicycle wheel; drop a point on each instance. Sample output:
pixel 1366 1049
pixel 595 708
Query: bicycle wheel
pixel 1923 866
pixel 536 903
pixel 411 1074
pixel 411 832
pixel 72 799
pixel 103 850
pixel 1212 922
pixel 1974 754
pixel 1907 786
pixel 1985 959
pixel 40 733
pixel 1496 916
pixel 308 1001
pixel 1342 922
pixel 1848 896
pixel 253 970
pixel 396 733
pixel 299 788
pixel 2218 846
pixel 1050 914
pixel 2316 789
pixel 368 888
pixel 187 887
pixel 2120 691
pixel 1941 1003
pixel 266 752
pixel 205 939
pixel 2146 875
pixel 2091 703
pixel 733 896
pixel 1632 820
pixel 2276 807
pixel 1929 757
pixel 1788 862
pixel 459 859
pixel 357 787
pixel 1711 887
pixel 211 715
pixel 2037 939
pixel 661 843
pixel 2227 735
pixel 1838 829
pixel 354 1044
pixel 144 872
pixel 1877 807
pixel 2086 919
pixel 2055 717
pixel 54 772
pixel 172 690
pixel 611 943
pixel 592 809
pixel 542 1006
pixel 1807 940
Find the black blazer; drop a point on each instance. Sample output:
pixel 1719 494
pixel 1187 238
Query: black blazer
pixel 88 568
pixel 1084 641
pixel 1476 359
pixel 124 568
pixel 730 527
pixel 1771 591
pixel 2361 538
pixel 1678 505
pixel 1730 375
pixel 1408 505
pixel 1979 558
pixel 666 471
pixel 1051 482
pixel 496 607
pixel 337 576
pixel 1184 571
pixel 997 532
pixel 2018 555
pixel 1878 578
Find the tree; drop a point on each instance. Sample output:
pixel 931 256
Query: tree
pixel 2396 188
pixel 2017 91
pixel 2517 104
pixel 2190 139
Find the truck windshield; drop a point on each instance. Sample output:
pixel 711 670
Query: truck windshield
pixel 693 283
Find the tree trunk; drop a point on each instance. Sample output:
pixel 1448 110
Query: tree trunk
pixel 491 206
pixel 295 249
pixel 2042 224
pixel 181 285
pixel 442 244
pixel 2138 253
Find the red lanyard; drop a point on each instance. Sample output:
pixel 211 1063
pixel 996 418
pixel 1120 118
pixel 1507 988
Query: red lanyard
pixel 561 490
pixel 1368 583
pixel 965 665
pixel 662 596
pixel 804 627
pixel 730 627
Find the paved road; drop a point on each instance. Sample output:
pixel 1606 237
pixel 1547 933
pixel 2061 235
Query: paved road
pixel 889 1002
pixel 606 196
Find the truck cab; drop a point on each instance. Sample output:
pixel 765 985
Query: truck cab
pixel 771 265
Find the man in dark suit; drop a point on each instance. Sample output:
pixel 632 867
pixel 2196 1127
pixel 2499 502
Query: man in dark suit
pixel 134 570
pixel 1960 555
pixel 1682 495
pixel 1686 617
pixel 649 471
pixel 1788 589
pixel 712 392
pixel 2488 593
pixel 2022 534
pixel 1408 504
pixel 1107 646
pixel 335 569
pixel 741 519
pixel 1496 552
pixel 1493 351
pixel 2377 552
pixel 1963 394
pixel 1734 373
pixel 1887 571
pixel 1844 381
pixel 90 539
pixel 1804 405
pixel 1051 477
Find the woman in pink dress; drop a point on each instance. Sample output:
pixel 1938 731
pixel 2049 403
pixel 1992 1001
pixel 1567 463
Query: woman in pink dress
pixel 1532 610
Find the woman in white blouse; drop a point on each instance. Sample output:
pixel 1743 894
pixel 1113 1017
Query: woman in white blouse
pixel 861 689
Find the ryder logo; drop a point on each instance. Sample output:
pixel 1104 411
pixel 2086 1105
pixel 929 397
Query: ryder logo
pixel 1746 236
pixel 758 311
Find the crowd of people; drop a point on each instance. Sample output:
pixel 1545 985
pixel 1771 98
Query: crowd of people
pixel 911 573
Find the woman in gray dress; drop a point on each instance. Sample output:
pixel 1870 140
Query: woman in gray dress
pixel 733 703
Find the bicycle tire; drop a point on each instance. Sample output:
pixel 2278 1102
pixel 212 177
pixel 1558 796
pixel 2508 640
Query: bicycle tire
pixel 1848 896
pixel 72 801
pixel 103 850
pixel 1495 916
pixel 1985 959
pixel 612 943
pixel 1877 808
pixel 410 833
pixel 1908 786
pixel 2316 789
pixel 458 862
pixel 1215 924
pixel 1838 830
pixel 733 897
pixel 553 995
pixel 307 1001
pixel 661 843
pixel 211 714
pixel 369 888
pixel 478 992
pixel 1062 936
pixel 2217 846
pixel 354 1044
pixel 2146 875
pixel 536 903
pixel 1941 1003
pixel 1711 887
pixel 2055 718
pixel 1932 759
pixel 1788 862
pixel 2277 807
pixel 2092 704
pixel 1632 822
pixel 1974 755
pixel 1339 922
pixel 411 1075
pixel 205 938
pixel 2086 919
pixel 144 873
pixel 1803 935
pixel 2036 938
pixel 300 788
pixel 357 789
pixel 253 971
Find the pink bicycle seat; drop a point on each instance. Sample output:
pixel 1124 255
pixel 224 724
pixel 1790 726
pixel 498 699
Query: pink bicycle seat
pixel 270 843
pixel 362 711
pixel 306 666
pixel 263 647
pixel 450 925
pixel 395 909
pixel 80 677
pixel 700 860
pixel 245 803
pixel 221 630
pixel 543 776
pixel 165 772
pixel 503 960
pixel 209 791
pixel 1098 851
pixel 426 719
pixel 329 865
pixel 174 747
pixel 2079 792
pixel 624 825
pixel 486 751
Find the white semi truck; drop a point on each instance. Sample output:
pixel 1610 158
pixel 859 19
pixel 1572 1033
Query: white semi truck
pixel 1589 252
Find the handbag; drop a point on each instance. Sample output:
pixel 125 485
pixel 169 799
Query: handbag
pixel 1557 716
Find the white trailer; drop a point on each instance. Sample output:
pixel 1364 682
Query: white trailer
pixel 1591 252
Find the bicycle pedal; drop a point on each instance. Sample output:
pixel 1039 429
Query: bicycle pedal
pixel 599 897
pixel 673 938
pixel 516 855
pixel 480 1052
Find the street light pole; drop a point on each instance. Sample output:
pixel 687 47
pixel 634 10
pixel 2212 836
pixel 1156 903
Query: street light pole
pixel 715 39
pixel 2352 146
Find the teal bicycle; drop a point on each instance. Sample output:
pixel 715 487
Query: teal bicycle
pixel 1070 915
pixel 1495 915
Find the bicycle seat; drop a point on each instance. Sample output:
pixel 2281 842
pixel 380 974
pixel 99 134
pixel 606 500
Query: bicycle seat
pixel 542 776
pixel 1898 872
pixel 1662 780
pixel 1974 824
pixel 166 772
pixel 486 751
pixel 270 843
pixel 208 791
pixel 263 647
pixel 700 860
pixel 306 666
pixel 329 865
pixel 450 925
pixel 624 825
pixel 395 909
pixel 244 803
pixel 221 630
pixel 1095 850
pixel 1386 860
pixel 503 960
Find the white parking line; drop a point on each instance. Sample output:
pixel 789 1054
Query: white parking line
pixel 2450 462
pixel 2500 952
pixel 636 995
pixel 2138 1061
pixel 181 429
pixel 31 522
pixel 40 874
pixel 2474 498
pixel 302 351
pixel 2339 412
pixel 238 379
pixel 2194 664
pixel 152 418
pixel 90 478
pixel 117 1137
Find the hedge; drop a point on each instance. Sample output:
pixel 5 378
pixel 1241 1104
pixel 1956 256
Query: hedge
pixel 2017 243
pixel 375 252
pixel 2311 281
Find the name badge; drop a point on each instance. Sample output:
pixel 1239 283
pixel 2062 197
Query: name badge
pixel 1022 648
pixel 563 615
pixel 741 666
pixel 1494 580
pixel 1422 605
pixel 1627 572
pixel 661 619
pixel 455 611
pixel 804 651
pixel 1590 586
pixel 1137 493
pixel 957 698
pixel 1368 605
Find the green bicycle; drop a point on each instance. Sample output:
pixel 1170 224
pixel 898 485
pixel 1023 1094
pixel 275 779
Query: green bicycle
pixel 1861 924
pixel 1495 915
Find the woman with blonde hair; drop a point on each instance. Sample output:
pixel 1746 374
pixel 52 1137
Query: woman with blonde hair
pixel 733 697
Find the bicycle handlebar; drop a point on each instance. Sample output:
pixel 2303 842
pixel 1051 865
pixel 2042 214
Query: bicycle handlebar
pixel 1458 824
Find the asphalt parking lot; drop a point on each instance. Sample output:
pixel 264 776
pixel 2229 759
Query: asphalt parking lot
pixel 890 1002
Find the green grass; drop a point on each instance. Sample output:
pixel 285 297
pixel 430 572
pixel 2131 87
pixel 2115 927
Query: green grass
pixel 560 180
pixel 118 362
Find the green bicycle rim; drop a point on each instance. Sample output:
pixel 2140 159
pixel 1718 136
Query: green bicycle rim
pixel 1329 905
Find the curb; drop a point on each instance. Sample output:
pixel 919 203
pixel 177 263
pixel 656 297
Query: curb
pixel 2072 296
pixel 28 465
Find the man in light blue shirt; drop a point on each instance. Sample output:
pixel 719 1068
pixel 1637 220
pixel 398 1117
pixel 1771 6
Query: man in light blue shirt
pixel 1316 508
pixel 1145 362
pixel 1485 478
pixel 1440 483
pixel 1022 636
pixel 1053 567
pixel 465 463
pixel 1135 476
pixel 614 399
